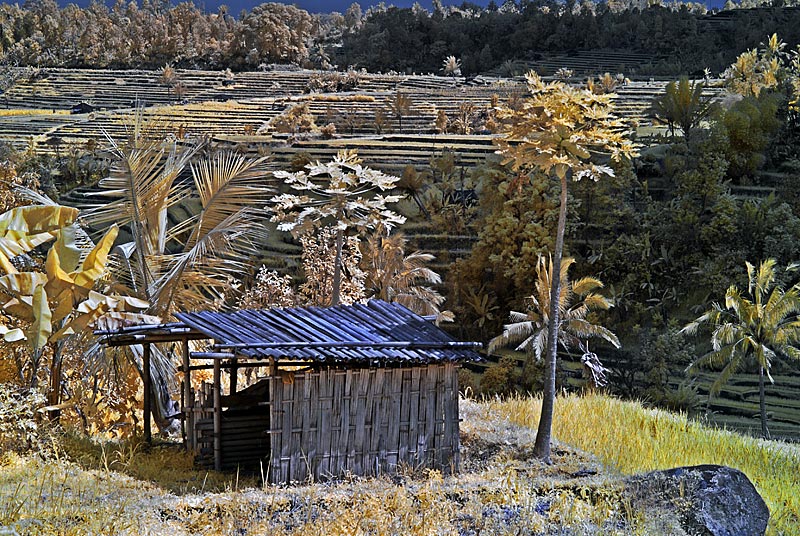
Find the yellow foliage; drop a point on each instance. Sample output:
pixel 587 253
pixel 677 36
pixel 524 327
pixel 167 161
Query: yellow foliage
pixel 557 130
pixel 633 439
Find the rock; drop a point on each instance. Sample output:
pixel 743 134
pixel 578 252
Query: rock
pixel 708 500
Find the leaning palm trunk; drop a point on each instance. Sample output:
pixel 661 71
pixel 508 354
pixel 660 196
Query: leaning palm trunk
pixel 541 448
pixel 762 403
pixel 189 265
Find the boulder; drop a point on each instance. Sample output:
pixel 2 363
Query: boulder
pixel 708 500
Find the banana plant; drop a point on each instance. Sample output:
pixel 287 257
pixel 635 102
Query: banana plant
pixel 60 301
pixel 24 228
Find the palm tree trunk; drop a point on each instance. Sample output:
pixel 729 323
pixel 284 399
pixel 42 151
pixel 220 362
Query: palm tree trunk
pixel 415 196
pixel 56 372
pixel 337 268
pixel 541 448
pixel 762 402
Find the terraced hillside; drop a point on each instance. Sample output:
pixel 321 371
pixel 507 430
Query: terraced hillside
pixel 227 104
pixel 233 110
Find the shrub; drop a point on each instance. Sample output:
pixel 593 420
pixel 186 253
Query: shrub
pixel 20 427
pixel 333 82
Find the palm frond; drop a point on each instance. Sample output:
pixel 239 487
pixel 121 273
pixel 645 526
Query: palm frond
pixel 586 285
pixel 227 183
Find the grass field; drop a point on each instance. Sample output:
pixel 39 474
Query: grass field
pixel 110 488
pixel 632 439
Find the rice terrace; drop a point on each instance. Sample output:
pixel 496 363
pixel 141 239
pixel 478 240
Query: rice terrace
pixel 283 272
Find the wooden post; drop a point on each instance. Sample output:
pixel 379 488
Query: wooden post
pixel 187 409
pixel 217 417
pixel 234 375
pixel 148 436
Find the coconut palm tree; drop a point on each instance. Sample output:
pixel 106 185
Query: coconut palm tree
pixel 194 263
pixel 529 330
pixel 400 106
pixel 755 328
pixel 554 134
pixel 451 66
pixel 396 277
pixel 682 106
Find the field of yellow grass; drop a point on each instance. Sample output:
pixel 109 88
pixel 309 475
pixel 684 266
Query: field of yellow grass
pixel 26 112
pixel 83 487
pixel 633 439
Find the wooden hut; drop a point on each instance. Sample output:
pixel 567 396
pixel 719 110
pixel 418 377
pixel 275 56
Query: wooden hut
pixel 354 389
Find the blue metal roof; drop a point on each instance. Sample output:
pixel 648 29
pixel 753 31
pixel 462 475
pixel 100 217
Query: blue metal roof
pixel 375 332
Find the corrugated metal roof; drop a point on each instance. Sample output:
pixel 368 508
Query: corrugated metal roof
pixel 375 331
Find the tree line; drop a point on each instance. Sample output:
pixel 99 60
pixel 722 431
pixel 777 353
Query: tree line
pixel 680 39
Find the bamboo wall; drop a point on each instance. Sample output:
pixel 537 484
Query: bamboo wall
pixel 331 423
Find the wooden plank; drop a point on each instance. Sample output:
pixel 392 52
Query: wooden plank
pixel 301 462
pixel 442 444
pixel 346 437
pixel 351 396
pixel 307 437
pixel 377 397
pixel 450 439
pixel 288 452
pixel 430 413
pixel 333 439
pixel 403 424
pixel 217 418
pixel 276 425
pixel 324 434
pixel 415 431
pixel 393 421
pixel 360 444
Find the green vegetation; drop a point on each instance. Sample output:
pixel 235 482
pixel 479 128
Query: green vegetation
pixel 759 325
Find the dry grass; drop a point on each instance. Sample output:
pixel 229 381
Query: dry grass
pixel 15 113
pixel 124 488
pixel 632 439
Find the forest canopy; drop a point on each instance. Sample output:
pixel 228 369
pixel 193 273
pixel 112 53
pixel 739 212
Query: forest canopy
pixel 680 39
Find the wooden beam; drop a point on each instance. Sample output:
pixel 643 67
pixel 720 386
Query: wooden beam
pixel 217 417
pixel 259 362
pixel 187 417
pixel 234 370
pixel 148 436
pixel 349 344
pixel 126 339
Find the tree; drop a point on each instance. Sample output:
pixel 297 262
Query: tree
pixel 554 133
pixel 760 326
pixel 60 301
pixel 393 276
pixel 318 259
pixel 682 105
pixel 342 194
pixel 168 78
pixel 576 301
pixel 451 66
pixel 399 107
pixel 193 264
pixel 756 70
